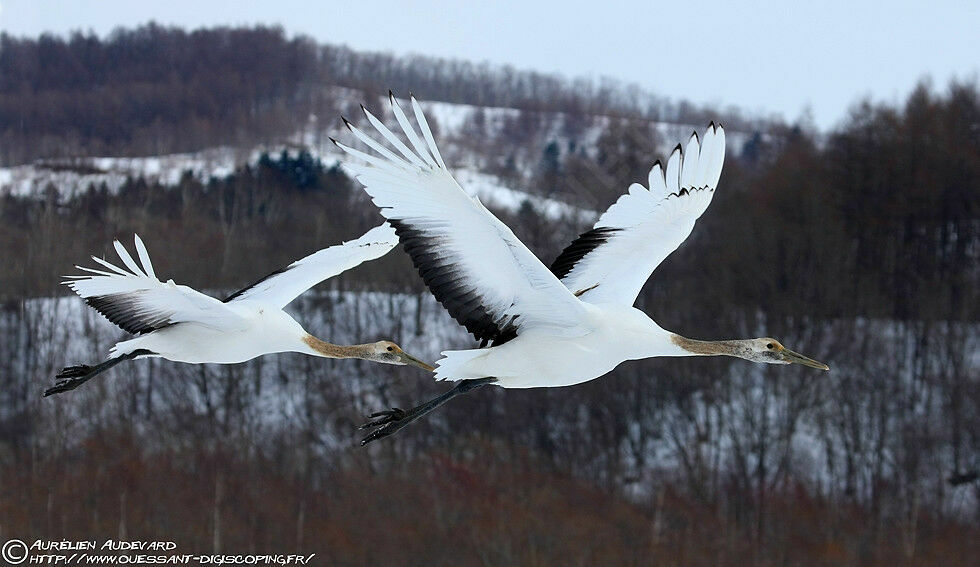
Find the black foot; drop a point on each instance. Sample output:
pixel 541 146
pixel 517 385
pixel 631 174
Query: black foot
pixel 70 378
pixel 394 419
pixel 390 421
pixel 74 376
pixel 387 416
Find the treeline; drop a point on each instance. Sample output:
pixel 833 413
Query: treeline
pixel 150 90
pixel 155 89
pixel 220 234
pixel 485 84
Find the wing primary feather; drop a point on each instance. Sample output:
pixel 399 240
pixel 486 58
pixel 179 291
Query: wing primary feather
pixel 376 146
pixel 714 170
pixel 657 183
pixel 376 162
pixel 144 257
pixel 111 266
pixel 424 126
pixel 392 138
pixel 413 138
pixel 708 149
pixel 672 173
pixel 689 163
pixel 92 271
pixel 127 259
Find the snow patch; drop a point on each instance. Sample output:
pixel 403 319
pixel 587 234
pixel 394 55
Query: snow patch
pixel 493 194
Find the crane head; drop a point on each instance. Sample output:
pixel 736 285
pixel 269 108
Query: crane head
pixel 390 353
pixel 770 351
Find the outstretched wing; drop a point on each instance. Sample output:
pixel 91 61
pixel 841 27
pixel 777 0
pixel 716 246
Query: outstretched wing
pixel 139 303
pixel 611 262
pixel 282 286
pixel 472 263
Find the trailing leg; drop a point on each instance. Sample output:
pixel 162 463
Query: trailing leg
pixel 72 377
pixel 394 419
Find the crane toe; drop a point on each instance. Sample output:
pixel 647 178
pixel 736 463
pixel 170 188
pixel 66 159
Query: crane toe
pixel 69 378
pixel 387 416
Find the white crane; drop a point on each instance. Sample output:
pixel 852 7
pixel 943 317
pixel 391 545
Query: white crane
pixel 541 327
pixel 184 325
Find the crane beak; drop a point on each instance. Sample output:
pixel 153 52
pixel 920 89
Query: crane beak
pixel 406 358
pixel 797 358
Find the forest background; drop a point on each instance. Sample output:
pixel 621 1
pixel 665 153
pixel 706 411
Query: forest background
pixel 858 246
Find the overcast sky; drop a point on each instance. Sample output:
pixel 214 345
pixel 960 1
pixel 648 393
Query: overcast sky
pixel 769 56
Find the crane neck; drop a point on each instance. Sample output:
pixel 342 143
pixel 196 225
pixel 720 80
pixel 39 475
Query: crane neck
pixel 694 347
pixel 330 350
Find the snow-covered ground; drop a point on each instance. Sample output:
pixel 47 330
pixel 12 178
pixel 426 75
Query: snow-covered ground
pixel 496 195
pixel 34 179
pixel 71 176
pixel 451 117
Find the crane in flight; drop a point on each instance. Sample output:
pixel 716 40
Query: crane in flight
pixel 541 327
pixel 179 323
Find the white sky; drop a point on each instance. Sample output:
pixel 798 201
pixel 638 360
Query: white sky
pixel 764 56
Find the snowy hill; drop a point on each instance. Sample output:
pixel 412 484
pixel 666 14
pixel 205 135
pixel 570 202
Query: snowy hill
pixel 464 154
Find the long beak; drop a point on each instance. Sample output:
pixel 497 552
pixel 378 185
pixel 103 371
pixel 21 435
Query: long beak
pixel 406 358
pixel 797 358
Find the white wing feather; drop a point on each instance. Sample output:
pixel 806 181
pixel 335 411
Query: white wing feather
pixel 474 265
pixel 281 287
pixel 138 302
pixel 645 225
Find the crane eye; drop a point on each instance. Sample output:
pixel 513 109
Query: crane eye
pixel 770 345
pixel 391 349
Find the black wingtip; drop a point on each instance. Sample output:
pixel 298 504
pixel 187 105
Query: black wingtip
pixel 364 110
pixel 335 142
pixel 711 124
pixel 391 95
pixel 347 123
pixel 677 148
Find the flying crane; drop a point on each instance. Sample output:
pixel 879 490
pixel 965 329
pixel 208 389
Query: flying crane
pixel 541 327
pixel 179 323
